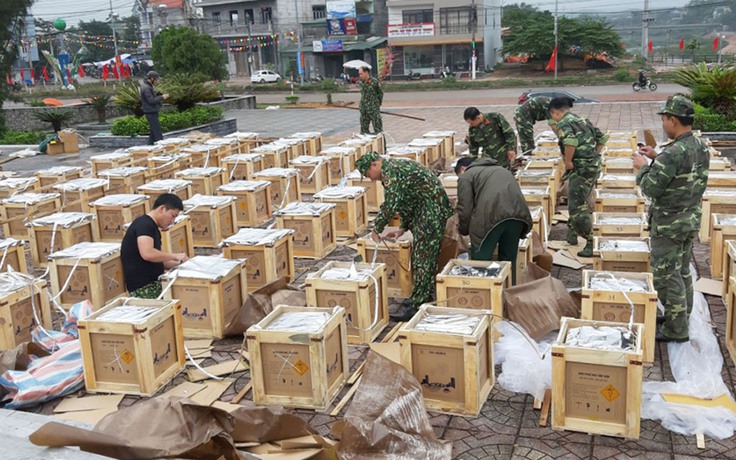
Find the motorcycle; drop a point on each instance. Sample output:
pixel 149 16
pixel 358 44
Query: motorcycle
pixel 444 73
pixel 414 75
pixel 649 84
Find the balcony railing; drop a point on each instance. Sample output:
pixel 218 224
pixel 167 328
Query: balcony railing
pixel 237 29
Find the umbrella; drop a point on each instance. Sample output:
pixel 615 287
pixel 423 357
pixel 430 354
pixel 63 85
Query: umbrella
pixel 356 64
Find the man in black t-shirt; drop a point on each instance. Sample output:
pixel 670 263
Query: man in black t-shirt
pixel 143 260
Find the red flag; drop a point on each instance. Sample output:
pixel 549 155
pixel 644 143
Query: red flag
pixel 715 43
pixel 33 75
pixel 105 72
pixel 8 78
pixel 81 71
pixel 22 75
pixel 45 74
pixel 115 72
pixel 650 46
pixel 551 64
pixel 68 75
pixel 682 43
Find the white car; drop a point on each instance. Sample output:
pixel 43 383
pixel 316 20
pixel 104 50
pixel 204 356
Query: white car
pixel 265 76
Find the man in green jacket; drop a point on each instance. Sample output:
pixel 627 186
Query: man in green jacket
pixel 492 132
pixel 417 195
pixel 371 98
pixel 491 208
pixel 675 182
pixel 533 110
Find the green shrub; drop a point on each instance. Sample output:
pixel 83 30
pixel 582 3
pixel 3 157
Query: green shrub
pixel 170 121
pixel 186 89
pixel 621 75
pixel 292 99
pixel 21 137
pixel 36 103
pixel 128 97
pixel 129 126
pixel 449 81
pixel 57 117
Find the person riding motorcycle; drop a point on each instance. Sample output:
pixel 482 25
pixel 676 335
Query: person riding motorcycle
pixel 642 79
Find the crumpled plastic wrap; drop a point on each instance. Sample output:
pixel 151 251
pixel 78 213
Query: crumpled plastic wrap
pixel 526 365
pixel 242 158
pixel 111 156
pixel 122 199
pixel 14 281
pixel 203 267
pixel 167 158
pixel 199 148
pixel 728 221
pixel 127 313
pixel 30 198
pixel 534 191
pixel 300 208
pixel 8 242
pixel 535 172
pixel 439 134
pixel 609 282
pixel 222 141
pixel 339 192
pixel 63 219
pixel 269 148
pixel 309 160
pixel 167 185
pixel 546 136
pixel 717 192
pixel 491 271
pixel 59 170
pixel 306 135
pixel 257 236
pixel 424 142
pixel 17 183
pixel 244 186
pixel 338 273
pixel 277 172
pixel 620 220
pixel 122 171
pixel 145 148
pixel 86 250
pixel 81 184
pixel 173 141
pixel 448 323
pixel 241 135
pixel 618 195
pixel 600 337
pixel 299 321
pixel 204 172
pixel 356 142
pixel 404 150
pixel 337 151
pixel 617 177
pixel 624 245
pixel 213 201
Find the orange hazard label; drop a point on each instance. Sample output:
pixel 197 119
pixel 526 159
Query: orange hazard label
pixel 610 393
pixel 300 367
pixel 342 215
pixel 127 357
pixel 242 205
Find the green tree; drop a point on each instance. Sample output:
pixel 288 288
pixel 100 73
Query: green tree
pixel 131 29
pixel 10 28
pixel 101 51
pixel 693 45
pixel 184 50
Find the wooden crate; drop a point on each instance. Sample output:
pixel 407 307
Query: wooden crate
pixel 202 155
pixel 722 179
pixel 435 147
pixel 77 194
pixel 596 391
pixel 141 153
pixel 314 141
pixel 13 252
pixel 373 190
pixel 204 180
pixel 622 142
pixel 313 225
pixel 65 229
pixel 313 342
pixel 246 141
pixel 731 318
pixel 87 271
pixel 351 208
pixel 609 303
pixel 314 172
pixel 178 237
pixel 729 268
pixel 174 144
pixel 538 196
pixel 617 200
pixel 540 178
pixel 274 156
pixel 450 352
pixel 620 224
pixel 132 346
pixel 360 144
pixel 180 188
pixel 227 146
pixel 297 147
pixel 110 161
pixel 342 162
pixel 618 165
pixel 166 166
pixel 396 256
pixel 547 151
pixel 23 207
pixel 448 139
pixel 631 254
pixel 617 181
pixel 723 228
pixel 211 290
pixel 253 204
pixel 363 297
pixel 57 174
pixel 556 164
pixel 618 152
pixel 112 212
pixel 285 185
pixel 213 219
pixel 269 254
pixel 23 303
pixel 476 293
pixel 540 223
pixel 376 142
pixel 14 185
pixel 404 152
pixel 715 201
pixel 242 166
pixel 124 180
pixel 719 164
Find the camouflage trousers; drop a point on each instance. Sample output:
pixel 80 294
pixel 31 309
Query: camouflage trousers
pixel 526 133
pixel 581 183
pixel 428 237
pixel 149 291
pixel 670 260
pixel 368 115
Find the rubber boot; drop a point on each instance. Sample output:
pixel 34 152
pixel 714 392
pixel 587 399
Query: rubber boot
pixel 587 250
pixel 572 237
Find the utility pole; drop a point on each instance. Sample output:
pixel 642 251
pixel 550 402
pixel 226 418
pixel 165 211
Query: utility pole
pixel 473 27
pixel 250 45
pixel 299 43
pixel 556 51
pixel 114 36
pixel 186 11
pixel 645 30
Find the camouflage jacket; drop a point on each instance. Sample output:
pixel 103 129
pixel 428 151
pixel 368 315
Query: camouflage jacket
pixel 496 137
pixel 533 110
pixel 371 94
pixel 675 181
pixel 580 133
pixel 412 191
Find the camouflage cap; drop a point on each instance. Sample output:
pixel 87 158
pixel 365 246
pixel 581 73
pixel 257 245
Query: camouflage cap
pixel 679 106
pixel 364 163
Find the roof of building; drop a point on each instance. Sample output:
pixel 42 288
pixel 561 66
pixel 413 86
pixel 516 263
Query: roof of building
pixel 168 3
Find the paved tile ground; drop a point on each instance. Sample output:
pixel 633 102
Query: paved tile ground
pixel 508 425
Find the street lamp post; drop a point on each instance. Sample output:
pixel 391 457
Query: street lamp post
pixel 720 46
pixel 556 50
pixel 113 19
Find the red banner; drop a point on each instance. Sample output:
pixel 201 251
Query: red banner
pixel 551 65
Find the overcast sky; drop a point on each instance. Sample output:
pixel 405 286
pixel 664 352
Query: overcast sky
pixel 75 10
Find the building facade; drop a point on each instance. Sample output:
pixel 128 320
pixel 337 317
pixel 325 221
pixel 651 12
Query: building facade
pixel 158 14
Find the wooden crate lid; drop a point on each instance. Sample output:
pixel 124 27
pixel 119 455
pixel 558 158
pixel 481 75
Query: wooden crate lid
pixel 62 219
pixel 166 185
pixel 309 160
pixel 619 218
pixel 297 319
pixel 599 335
pixel 439 134
pixel 724 219
pixel 83 183
pixel 111 156
pixel 242 135
pixel 122 171
pixel 277 172
pixel 307 135
pixel 405 150
pixel 121 199
pixel 338 150
pixel 30 198
pixel 244 186
pixel 210 201
pixel 200 172
pixel 87 250
pixel 622 244
pixel 602 280
pixel 242 158
pixel 210 268
pixel 336 191
pixel 58 170
pixel 6 243
pixel 300 208
pixel 15 183
pixel 269 148
pixel 14 281
pixel 257 237
pixel 425 142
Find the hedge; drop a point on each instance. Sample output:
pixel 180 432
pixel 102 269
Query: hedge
pixel 170 121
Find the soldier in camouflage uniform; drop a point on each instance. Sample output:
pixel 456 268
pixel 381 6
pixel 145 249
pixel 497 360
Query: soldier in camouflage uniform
pixel 371 98
pixel 675 182
pixel 582 142
pixel 492 132
pixel 533 110
pixel 417 195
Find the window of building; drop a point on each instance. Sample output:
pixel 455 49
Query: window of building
pixel 216 18
pixel 455 20
pixel 248 16
pixel 234 18
pixel 417 16
pixel 319 11
pixel 419 59
pixel 265 15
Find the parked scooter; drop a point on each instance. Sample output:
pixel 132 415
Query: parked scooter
pixel 414 75
pixel 444 73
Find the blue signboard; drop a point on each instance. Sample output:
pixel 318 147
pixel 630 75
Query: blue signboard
pixel 299 65
pixel 331 46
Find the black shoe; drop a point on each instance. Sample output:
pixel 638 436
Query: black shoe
pixel 404 313
pixel 665 339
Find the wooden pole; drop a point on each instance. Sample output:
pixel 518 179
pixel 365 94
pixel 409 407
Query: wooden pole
pixel 386 113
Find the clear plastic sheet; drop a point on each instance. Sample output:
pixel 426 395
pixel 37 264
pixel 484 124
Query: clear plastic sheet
pixel 546 136
pixel 123 171
pixel 728 221
pixel 207 200
pixel 618 195
pixel 406 237
pixel 338 150
pixel 111 156
pixel 169 157
pixel 14 281
pixel 439 133
pixel 722 174
pixel 357 142
pixel 166 185
pixel 63 219
pixel 339 192
pixel 81 184
pixel 123 199
pixel 534 191
pixel 257 236
pixel 204 267
pixel 128 314
pixel 287 141
pixel 242 158
pixel 618 177
pixel 277 172
pixel 87 250
pixel 199 148
pixel 619 151
pixel 624 245
pixel 620 220
pixel 222 141
pixel 696 366
pixel 717 192
pixel 600 338
pixel 351 273
pixel 448 324
pixel 204 172
pixel 59 170
pixel 622 160
pixel 300 208
pixel 355 174
pixel 173 141
pixel 30 198
pixel 306 135
pixel 404 150
pixel 309 160
pixel 8 242
pixel 145 148
pixel 526 365
pixel 268 148
pixel 608 282
pixel 299 321
pixel 15 183
pixel 241 135
pixel 535 172
pixel 536 211
pixel 244 186
pixel 491 271
pixel 425 142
